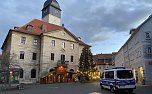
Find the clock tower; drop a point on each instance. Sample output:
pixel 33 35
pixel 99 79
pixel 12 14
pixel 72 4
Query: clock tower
pixel 51 12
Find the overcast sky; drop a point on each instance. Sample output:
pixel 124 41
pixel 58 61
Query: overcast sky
pixel 103 24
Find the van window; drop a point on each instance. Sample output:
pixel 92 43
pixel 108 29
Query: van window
pixel 109 74
pixel 124 74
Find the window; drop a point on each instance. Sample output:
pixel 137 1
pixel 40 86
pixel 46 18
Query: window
pixel 101 60
pixel 53 43
pixel 33 73
pixel 72 46
pixel 106 75
pixel 109 74
pixel 63 44
pixel 29 28
pixel 34 56
pixel 23 39
pixel 35 42
pixel 22 54
pixel 71 58
pixel 147 35
pixel 149 51
pixel 21 73
pixel 52 56
pixel 124 74
pixel 62 57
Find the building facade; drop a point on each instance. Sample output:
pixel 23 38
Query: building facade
pixel 103 61
pixel 136 53
pixel 40 48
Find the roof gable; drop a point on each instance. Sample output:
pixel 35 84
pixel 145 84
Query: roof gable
pixel 61 34
pixel 68 35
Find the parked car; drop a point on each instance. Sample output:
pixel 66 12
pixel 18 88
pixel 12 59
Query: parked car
pixel 118 78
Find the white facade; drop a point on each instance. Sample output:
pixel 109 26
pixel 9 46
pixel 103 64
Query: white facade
pixel 136 53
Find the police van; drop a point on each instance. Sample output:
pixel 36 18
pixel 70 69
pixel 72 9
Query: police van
pixel 118 78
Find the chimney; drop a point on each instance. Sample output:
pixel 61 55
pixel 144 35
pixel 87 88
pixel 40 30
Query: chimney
pixel 62 25
pixel 79 38
pixel 15 27
pixel 43 28
pixel 132 31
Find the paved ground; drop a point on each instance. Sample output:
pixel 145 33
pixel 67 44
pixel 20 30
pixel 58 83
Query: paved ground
pixel 71 88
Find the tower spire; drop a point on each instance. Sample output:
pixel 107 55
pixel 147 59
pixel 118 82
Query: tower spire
pixel 51 12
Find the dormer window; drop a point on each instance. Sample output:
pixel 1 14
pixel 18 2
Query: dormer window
pixel 29 28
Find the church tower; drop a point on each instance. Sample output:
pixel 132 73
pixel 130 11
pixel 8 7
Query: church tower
pixel 51 12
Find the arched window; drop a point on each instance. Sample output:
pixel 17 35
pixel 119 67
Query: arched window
pixel 21 73
pixel 71 70
pixel 51 70
pixel 33 73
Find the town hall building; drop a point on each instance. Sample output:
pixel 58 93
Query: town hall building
pixel 43 49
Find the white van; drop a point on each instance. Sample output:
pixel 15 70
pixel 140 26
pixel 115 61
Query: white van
pixel 118 78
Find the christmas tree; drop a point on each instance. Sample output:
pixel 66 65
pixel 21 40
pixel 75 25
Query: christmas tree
pixel 87 67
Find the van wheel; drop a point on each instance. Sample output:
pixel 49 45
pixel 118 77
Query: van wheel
pixel 101 86
pixel 112 89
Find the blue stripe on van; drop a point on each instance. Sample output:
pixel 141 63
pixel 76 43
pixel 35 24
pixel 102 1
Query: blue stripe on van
pixel 119 82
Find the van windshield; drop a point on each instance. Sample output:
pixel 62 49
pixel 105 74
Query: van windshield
pixel 124 74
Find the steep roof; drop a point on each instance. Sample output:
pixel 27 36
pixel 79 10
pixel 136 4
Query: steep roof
pixel 37 26
pixel 37 29
pixel 53 3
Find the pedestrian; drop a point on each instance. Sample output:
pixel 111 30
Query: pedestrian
pixel 78 78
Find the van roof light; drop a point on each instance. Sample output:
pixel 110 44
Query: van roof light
pixel 115 68
pixel 118 68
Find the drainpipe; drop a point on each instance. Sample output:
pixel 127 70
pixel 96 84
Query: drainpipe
pixel 39 61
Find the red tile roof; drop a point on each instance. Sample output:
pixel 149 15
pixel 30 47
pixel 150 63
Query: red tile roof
pixel 37 27
pixel 104 56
